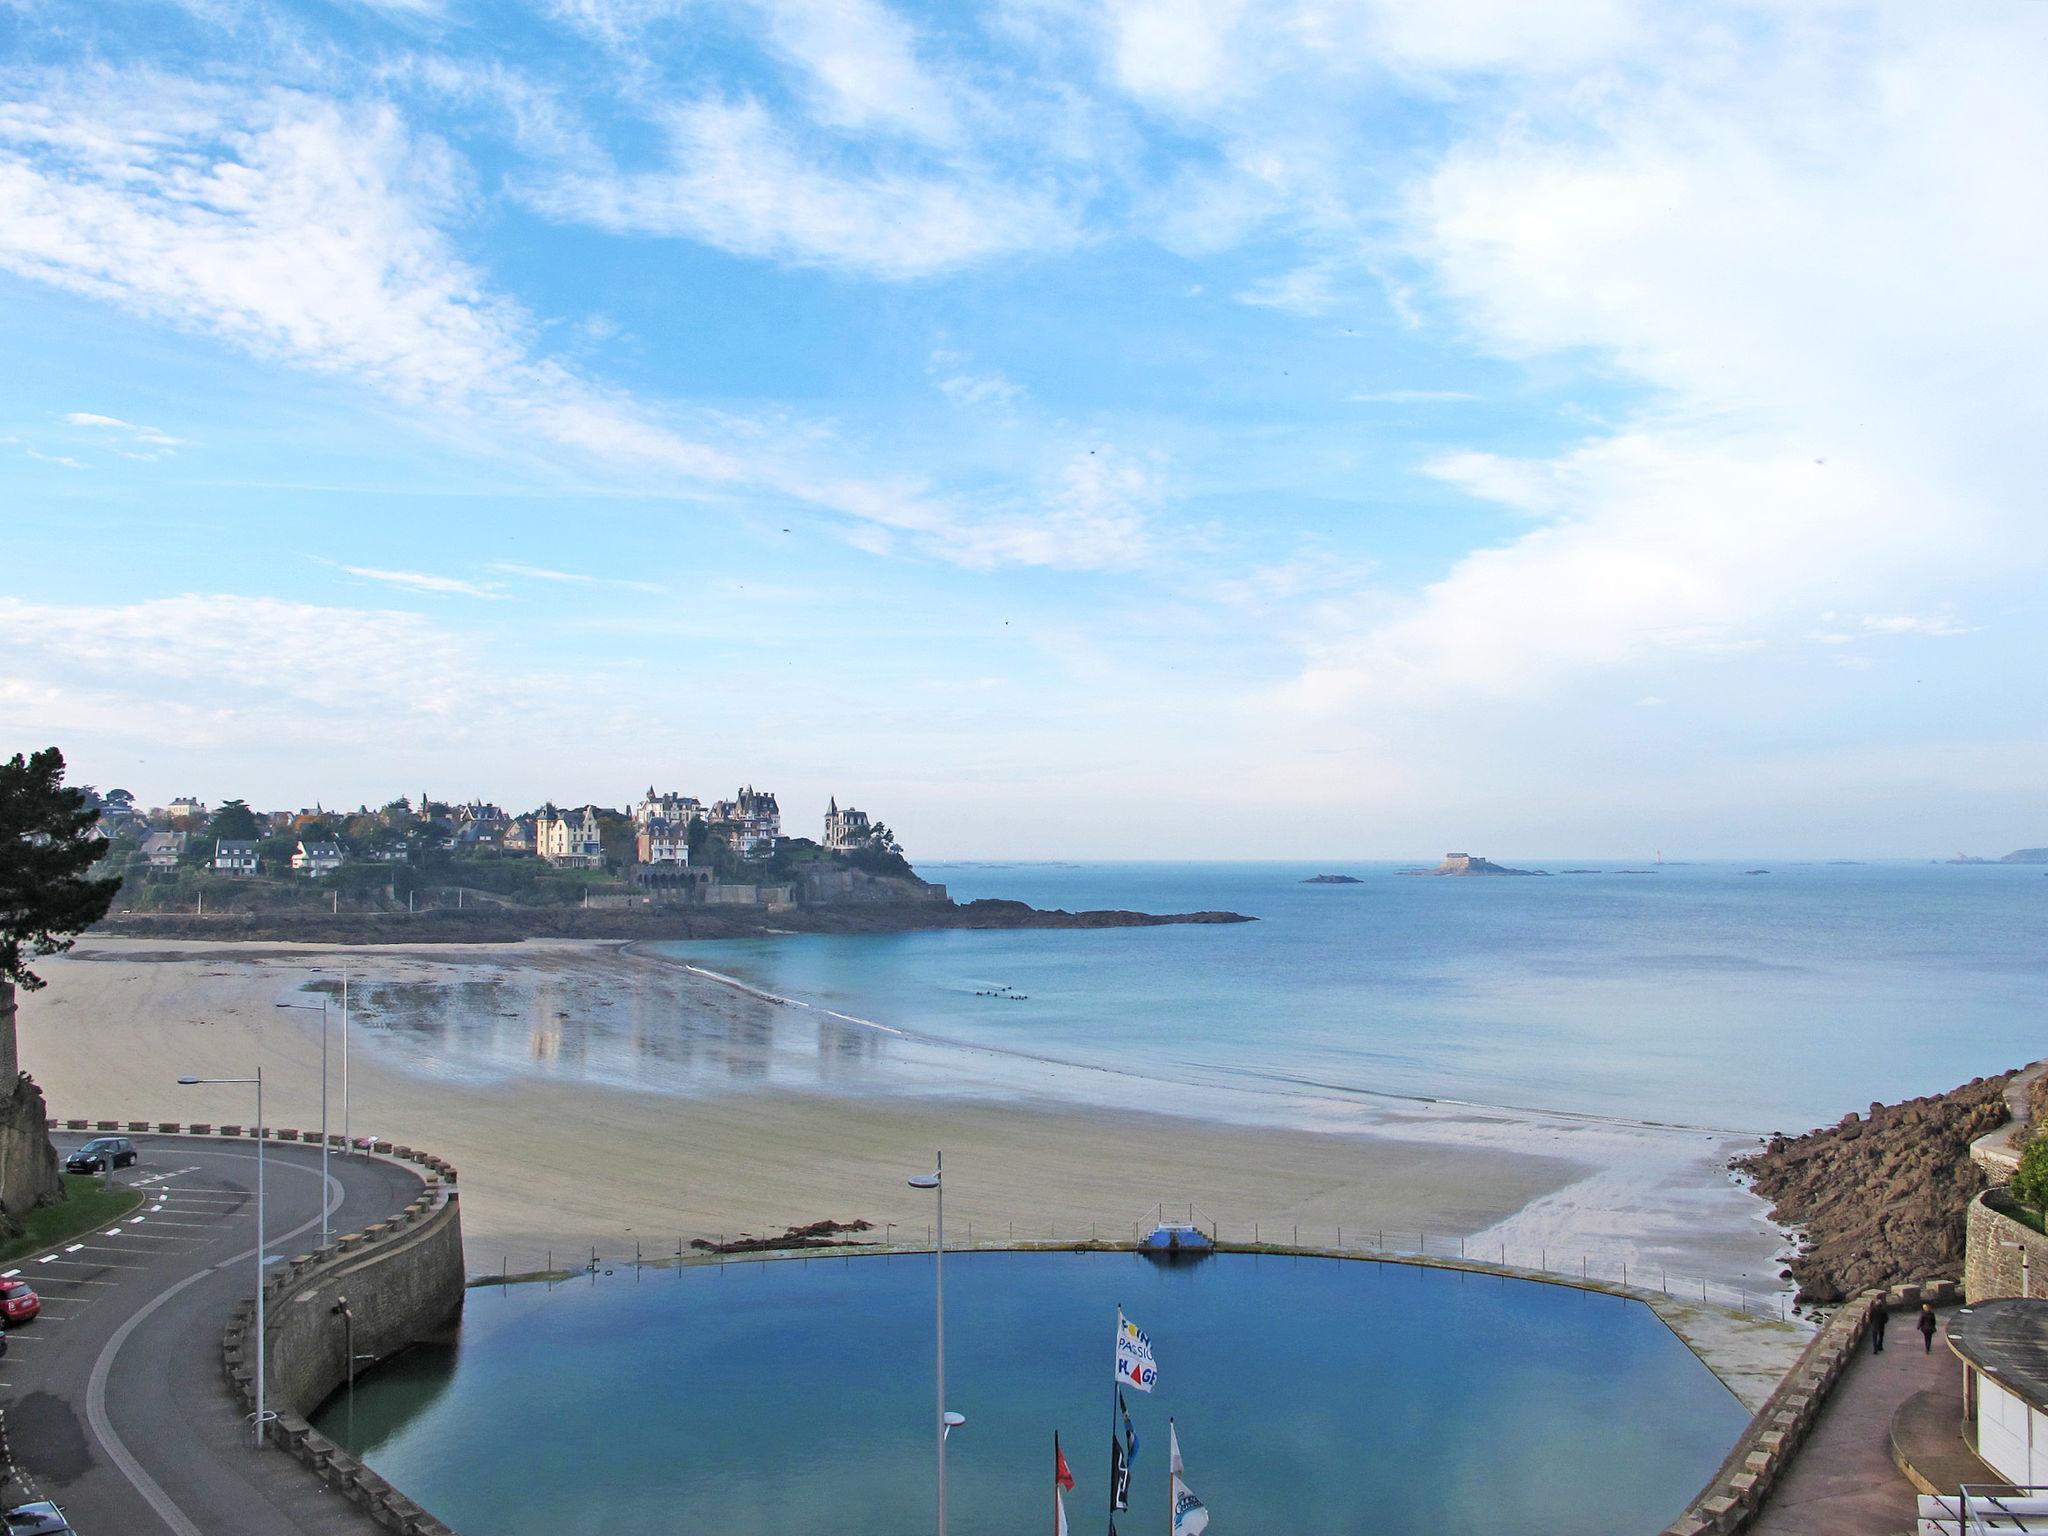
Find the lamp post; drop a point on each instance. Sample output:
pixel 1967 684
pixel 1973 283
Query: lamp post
pixel 947 1422
pixel 325 1233
pixel 346 1145
pixel 191 1082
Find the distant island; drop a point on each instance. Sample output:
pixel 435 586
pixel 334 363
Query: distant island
pixel 1473 864
pixel 1333 880
pixel 2017 856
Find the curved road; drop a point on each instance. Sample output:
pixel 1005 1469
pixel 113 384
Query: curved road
pixel 115 1402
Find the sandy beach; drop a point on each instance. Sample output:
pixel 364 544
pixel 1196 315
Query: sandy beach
pixel 532 1067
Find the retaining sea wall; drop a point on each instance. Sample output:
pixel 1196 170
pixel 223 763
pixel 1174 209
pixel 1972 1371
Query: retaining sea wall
pixel 1992 1269
pixel 403 1279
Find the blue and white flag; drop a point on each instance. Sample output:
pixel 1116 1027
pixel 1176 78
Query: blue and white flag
pixel 1134 1365
pixel 1190 1514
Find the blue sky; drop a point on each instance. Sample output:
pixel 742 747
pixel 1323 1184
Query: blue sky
pixel 1205 428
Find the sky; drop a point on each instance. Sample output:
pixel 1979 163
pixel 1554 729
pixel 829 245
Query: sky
pixel 1130 429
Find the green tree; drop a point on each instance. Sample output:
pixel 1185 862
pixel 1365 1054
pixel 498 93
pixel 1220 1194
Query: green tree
pixel 235 821
pixel 2030 1180
pixel 46 847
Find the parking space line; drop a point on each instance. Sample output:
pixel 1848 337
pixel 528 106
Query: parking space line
pixel 74 1280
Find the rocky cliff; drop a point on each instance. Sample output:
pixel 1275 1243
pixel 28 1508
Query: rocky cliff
pixel 1883 1197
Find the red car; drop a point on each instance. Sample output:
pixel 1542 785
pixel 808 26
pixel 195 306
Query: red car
pixel 18 1304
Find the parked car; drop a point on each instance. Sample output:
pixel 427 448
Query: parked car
pixel 18 1302
pixel 41 1518
pixel 92 1157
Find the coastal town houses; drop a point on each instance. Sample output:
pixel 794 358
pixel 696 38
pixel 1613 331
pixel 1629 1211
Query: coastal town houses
pixel 845 829
pixel 162 850
pixel 569 839
pixel 659 841
pixel 187 808
pixel 518 836
pixel 235 856
pixel 316 858
pixel 677 810
pixel 749 824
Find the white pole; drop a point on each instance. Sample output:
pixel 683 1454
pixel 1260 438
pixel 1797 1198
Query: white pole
pixel 346 1144
pixel 939 1267
pixel 260 1254
pixel 325 1234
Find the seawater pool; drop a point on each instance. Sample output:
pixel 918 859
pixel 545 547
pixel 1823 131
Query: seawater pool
pixel 1317 1395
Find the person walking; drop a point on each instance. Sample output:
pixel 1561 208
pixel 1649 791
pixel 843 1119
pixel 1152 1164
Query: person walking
pixel 1878 1319
pixel 1927 1325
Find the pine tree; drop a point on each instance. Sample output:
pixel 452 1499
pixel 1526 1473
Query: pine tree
pixel 46 848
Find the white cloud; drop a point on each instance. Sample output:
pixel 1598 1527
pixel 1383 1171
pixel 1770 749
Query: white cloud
pixel 570 578
pixel 1914 624
pixel 1832 394
pixel 158 442
pixel 974 389
pixel 740 181
pixel 422 581
pixel 1308 290
pixel 860 59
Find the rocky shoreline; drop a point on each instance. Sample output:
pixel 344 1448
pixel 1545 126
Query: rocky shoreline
pixel 1881 1197
pixel 507 925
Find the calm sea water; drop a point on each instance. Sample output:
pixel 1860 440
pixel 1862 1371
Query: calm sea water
pixel 1311 1395
pixel 1697 993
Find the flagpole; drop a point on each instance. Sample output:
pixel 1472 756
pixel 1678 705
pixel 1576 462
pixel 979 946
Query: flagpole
pixel 1055 1483
pixel 1172 1445
pixel 1115 1384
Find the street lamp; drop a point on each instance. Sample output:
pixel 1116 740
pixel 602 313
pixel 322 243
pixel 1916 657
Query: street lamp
pixel 325 1233
pixel 192 1082
pixel 935 1181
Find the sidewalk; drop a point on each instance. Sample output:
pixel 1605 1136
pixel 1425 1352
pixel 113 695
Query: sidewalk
pixel 1843 1482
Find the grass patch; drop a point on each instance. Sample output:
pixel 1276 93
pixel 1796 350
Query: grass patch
pixel 88 1204
pixel 2002 1202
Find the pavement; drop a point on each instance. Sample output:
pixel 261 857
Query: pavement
pixel 114 1401
pixel 1843 1481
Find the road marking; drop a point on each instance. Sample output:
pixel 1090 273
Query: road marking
pixel 10 1274
pixel 193 1226
pixel 113 1232
pixel 74 1248
pixel 48 1258
pixel 75 1280
pixel 96 1385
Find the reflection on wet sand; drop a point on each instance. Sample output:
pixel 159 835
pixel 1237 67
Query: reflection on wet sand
pixel 621 1020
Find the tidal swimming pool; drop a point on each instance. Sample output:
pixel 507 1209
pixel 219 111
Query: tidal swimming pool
pixel 1320 1395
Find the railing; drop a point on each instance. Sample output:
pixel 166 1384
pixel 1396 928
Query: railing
pixel 1344 1241
pixel 1981 1509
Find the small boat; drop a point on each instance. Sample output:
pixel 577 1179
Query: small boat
pixel 1176 1240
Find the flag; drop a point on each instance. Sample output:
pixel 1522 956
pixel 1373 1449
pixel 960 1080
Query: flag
pixel 1121 1454
pixel 1060 1472
pixel 1134 1354
pixel 1190 1514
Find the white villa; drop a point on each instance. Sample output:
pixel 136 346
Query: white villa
pixel 677 810
pixel 316 858
pixel 235 856
pixel 569 839
pixel 660 841
pixel 845 829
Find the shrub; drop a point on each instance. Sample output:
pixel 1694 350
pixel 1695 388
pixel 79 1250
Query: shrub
pixel 2030 1182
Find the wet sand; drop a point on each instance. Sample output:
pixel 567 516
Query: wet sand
pixel 529 1066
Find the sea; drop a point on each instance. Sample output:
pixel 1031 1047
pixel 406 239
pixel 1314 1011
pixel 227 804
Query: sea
pixel 1746 997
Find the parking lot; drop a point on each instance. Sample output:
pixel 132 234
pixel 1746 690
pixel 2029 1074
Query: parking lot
pixel 112 1401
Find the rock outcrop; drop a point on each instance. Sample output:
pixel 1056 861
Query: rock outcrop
pixel 1882 1198
pixel 1473 864
pixel 1333 880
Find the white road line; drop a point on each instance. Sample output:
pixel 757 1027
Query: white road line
pixel 10 1274
pixel 74 1248
pixel 96 1385
pixel 75 1280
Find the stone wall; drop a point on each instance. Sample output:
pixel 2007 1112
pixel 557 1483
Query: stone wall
pixel 29 1175
pixel 1991 1269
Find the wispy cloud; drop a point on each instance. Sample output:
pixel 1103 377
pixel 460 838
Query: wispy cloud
pixel 570 578
pixel 739 180
pixel 148 442
pixel 1411 396
pixel 423 581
